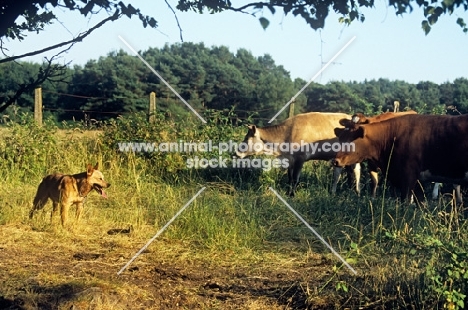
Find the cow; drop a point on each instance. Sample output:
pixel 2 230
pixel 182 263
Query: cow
pixel 411 148
pixel 360 118
pixel 307 131
pixel 456 189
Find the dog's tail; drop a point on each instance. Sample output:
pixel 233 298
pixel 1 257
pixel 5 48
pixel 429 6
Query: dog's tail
pixel 40 199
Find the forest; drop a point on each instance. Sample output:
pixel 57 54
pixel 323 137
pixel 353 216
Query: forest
pixel 212 78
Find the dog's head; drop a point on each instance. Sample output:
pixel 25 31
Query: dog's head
pixel 96 179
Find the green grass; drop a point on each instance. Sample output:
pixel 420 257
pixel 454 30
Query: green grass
pixel 405 255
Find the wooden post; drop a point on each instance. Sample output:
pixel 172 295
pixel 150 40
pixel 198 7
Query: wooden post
pixel 38 106
pixel 291 109
pixel 152 108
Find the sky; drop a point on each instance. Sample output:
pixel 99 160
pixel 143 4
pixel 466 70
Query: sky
pixel 385 45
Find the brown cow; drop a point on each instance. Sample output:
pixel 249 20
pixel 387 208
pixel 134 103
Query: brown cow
pixel 360 118
pixel 308 129
pixel 411 148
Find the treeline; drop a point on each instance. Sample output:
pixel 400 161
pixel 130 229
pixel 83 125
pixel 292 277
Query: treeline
pixel 213 78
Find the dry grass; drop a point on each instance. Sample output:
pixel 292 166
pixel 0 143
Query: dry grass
pixel 234 247
pixel 77 268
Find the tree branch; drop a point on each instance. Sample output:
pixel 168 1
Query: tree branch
pixel 45 73
pixel 177 20
pixel 79 38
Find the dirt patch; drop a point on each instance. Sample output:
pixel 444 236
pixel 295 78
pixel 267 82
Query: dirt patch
pixel 43 270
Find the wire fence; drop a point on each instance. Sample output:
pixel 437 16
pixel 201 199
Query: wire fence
pixel 241 114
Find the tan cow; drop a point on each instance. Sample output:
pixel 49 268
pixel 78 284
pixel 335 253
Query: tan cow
pixel 298 139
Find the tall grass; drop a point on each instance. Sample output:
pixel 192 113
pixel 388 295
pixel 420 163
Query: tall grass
pixel 405 255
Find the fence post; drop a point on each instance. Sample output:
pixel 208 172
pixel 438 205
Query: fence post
pixel 38 106
pixel 291 109
pixel 152 108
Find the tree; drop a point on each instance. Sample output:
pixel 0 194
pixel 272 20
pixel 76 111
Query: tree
pixel 113 84
pixel 430 98
pixel 336 96
pixel 17 18
pixel 314 12
pixel 460 95
pixel 20 17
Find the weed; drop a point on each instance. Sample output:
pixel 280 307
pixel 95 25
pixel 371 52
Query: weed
pixel 405 256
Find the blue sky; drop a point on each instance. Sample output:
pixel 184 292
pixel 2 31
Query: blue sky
pixel 386 46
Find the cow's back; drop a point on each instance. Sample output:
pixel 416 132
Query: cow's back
pixel 313 126
pixel 424 142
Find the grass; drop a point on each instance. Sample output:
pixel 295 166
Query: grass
pixel 237 246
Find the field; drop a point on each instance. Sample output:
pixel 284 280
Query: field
pixel 236 246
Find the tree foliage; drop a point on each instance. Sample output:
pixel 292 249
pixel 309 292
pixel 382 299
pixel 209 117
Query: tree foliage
pixel 209 78
pixel 37 14
pixel 315 12
pixel 214 79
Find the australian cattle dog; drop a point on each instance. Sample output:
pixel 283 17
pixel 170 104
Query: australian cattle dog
pixel 67 190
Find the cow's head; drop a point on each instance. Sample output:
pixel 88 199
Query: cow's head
pixel 253 144
pixel 353 132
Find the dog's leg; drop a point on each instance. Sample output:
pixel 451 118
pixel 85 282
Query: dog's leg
pixel 79 209
pixel 64 208
pixel 55 207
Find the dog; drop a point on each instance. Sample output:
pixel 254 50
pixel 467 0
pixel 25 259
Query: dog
pixel 67 190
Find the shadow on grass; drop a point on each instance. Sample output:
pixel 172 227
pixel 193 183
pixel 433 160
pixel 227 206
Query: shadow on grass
pixel 44 297
pixel 12 304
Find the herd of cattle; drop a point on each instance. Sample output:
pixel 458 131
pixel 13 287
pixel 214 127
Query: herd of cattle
pixel 408 148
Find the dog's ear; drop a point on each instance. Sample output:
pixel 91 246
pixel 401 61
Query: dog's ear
pixel 89 169
pixel 96 166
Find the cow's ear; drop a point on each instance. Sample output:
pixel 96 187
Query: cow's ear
pixel 347 123
pixel 359 132
pixel 359 118
pixel 338 131
pixel 343 121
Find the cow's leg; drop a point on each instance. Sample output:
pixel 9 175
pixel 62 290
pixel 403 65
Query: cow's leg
pixel 357 177
pixel 290 176
pixel 458 195
pixel 407 176
pixel 294 172
pixel 456 192
pixel 336 178
pixel 374 175
pixel 354 176
pixel 408 187
pixel 435 191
